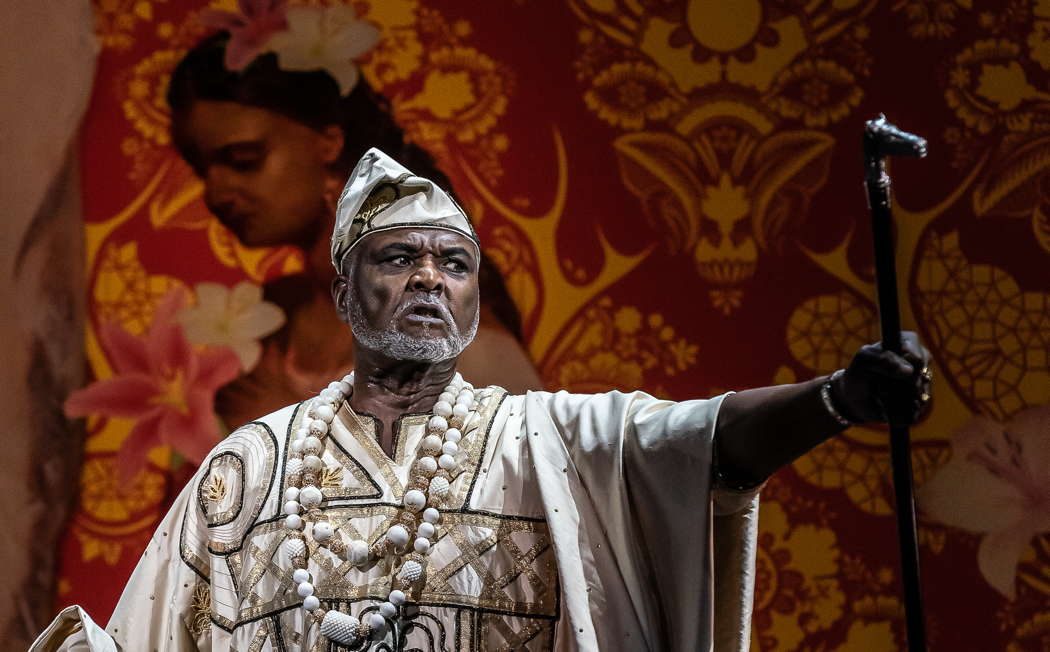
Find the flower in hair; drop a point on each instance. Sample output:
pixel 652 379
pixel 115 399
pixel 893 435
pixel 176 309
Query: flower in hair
pixel 326 39
pixel 250 30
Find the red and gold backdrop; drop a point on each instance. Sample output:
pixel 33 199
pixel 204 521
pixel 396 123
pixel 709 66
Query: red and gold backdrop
pixel 673 193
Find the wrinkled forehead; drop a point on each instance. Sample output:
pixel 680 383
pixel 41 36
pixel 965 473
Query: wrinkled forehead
pixel 437 240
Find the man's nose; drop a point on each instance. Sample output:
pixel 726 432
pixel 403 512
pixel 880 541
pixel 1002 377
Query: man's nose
pixel 219 190
pixel 426 277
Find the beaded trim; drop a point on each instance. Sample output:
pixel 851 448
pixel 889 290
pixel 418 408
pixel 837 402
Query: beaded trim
pixel 408 540
pixel 829 404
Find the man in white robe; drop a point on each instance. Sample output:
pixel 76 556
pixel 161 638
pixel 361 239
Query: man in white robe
pixel 571 522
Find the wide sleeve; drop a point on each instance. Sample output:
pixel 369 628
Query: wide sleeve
pixel 645 466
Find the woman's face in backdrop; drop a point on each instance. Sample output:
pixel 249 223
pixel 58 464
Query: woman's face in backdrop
pixel 264 174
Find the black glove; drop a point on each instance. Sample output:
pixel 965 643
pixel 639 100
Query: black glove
pixel 880 385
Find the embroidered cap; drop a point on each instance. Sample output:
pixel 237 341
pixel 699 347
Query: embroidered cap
pixel 381 194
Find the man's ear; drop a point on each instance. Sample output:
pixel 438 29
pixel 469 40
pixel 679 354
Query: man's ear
pixel 340 296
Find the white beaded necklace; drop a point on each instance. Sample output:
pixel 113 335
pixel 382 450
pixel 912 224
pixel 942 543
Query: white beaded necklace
pixel 437 462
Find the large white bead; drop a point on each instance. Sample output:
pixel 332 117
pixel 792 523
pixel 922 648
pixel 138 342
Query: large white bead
pixel 302 433
pixel 432 443
pixel 312 445
pixel 460 412
pixel 322 531
pixel 296 548
pixel 447 462
pixel 443 409
pixel 291 507
pixel 450 448
pixel 340 627
pixel 304 589
pixel 437 425
pixel 294 466
pixel 293 521
pixel 396 597
pixel 357 552
pixel 388 609
pixel 291 493
pixel 297 446
pixel 324 413
pixel 318 427
pixel 346 388
pixel 328 396
pixel 421 545
pixel 397 535
pixel 301 574
pixel 311 602
pixel 312 463
pixel 377 622
pixel 426 529
pixel 431 515
pixel 447 397
pixel 349 379
pixel 427 465
pixel 411 571
pixel 310 496
pixel 415 500
pixel 439 487
pixel 453 434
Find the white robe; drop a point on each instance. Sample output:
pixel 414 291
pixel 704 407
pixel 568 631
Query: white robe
pixel 580 522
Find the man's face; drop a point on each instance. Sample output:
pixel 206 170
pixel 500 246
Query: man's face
pixel 411 294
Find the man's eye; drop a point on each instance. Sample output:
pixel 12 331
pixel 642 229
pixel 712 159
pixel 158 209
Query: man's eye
pixel 455 265
pixel 400 261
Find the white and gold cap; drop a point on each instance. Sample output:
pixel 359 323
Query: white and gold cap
pixel 381 194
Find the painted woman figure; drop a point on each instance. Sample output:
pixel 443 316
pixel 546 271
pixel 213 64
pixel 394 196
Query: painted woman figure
pixel 274 146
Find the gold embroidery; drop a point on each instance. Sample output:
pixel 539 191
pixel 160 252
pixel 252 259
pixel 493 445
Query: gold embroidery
pixel 332 477
pixel 260 637
pixel 216 489
pixel 200 609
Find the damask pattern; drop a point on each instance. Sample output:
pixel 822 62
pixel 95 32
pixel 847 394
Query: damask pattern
pixel 672 192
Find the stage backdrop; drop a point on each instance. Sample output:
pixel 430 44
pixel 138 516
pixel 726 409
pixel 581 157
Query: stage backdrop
pixel 673 193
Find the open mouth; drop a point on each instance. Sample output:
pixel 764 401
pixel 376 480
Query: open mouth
pixel 425 314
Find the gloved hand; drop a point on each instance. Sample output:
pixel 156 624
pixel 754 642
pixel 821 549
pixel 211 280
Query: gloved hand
pixel 879 383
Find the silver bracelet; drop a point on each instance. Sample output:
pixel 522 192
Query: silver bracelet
pixel 825 396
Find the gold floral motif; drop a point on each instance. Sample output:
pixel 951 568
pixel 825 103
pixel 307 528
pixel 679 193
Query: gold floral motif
pixel 463 94
pixel 820 92
pixel 627 94
pixel 216 489
pixel 145 105
pixel 932 19
pixel 332 477
pixel 115 20
pixel 200 609
pixel 124 292
pixel 608 348
pixel 797 590
pixel 987 88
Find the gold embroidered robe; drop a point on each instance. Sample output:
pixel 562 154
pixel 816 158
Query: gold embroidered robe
pixel 579 522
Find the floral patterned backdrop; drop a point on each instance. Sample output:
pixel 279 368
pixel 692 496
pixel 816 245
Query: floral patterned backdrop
pixel 672 191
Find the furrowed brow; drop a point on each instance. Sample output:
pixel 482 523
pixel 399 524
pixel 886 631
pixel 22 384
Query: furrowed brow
pixel 397 248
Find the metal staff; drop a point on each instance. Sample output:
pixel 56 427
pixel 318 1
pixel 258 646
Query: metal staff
pixel 882 139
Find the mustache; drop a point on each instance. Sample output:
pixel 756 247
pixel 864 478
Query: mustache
pixel 427 300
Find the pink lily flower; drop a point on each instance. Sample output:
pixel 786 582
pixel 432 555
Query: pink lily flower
pixel 249 30
pixel 162 383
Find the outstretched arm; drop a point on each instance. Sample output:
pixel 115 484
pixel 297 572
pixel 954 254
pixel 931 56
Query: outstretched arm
pixel 761 430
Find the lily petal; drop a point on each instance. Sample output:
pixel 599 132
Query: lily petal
pixel 126 396
pixel 998 555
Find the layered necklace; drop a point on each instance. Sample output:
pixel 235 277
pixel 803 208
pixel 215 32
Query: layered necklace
pixel 407 542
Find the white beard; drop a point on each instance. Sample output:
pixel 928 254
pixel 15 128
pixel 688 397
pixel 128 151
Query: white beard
pixel 391 341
